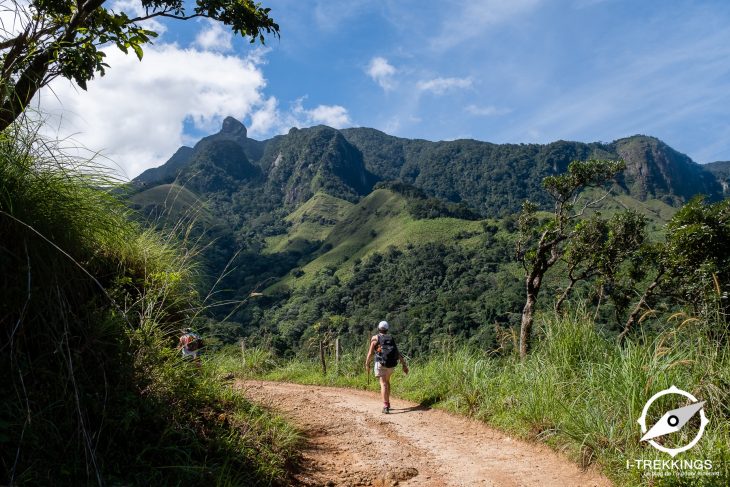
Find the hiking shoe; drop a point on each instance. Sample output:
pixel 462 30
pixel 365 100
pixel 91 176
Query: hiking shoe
pixel 386 410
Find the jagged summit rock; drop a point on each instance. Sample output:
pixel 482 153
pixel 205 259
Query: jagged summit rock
pixel 232 126
pixel 230 149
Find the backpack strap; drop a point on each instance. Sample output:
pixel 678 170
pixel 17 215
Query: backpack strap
pixel 379 348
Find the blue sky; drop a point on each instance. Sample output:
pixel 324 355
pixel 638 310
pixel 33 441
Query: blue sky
pixel 499 71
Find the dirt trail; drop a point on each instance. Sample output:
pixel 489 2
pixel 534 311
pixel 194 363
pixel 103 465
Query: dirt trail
pixel 350 443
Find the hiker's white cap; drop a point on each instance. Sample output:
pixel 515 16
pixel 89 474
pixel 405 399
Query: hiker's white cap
pixel 383 325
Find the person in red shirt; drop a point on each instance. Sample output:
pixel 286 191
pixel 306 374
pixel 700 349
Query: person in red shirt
pixel 190 344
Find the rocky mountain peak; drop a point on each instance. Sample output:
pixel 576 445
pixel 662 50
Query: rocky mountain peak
pixel 232 126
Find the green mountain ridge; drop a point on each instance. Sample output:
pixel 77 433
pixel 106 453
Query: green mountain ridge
pixel 319 216
pixel 492 179
pixel 306 161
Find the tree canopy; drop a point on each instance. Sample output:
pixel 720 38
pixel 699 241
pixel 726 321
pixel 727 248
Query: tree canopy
pixel 46 39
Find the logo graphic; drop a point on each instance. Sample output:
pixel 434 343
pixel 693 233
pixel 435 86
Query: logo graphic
pixel 672 421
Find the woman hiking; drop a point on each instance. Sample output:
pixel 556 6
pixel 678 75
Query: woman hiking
pixel 387 357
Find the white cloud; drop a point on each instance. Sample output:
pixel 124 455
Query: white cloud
pixel 214 37
pixel 332 115
pixel 486 111
pixel 270 119
pixel 135 114
pixel 472 18
pixel 381 71
pixel 266 119
pixel 440 86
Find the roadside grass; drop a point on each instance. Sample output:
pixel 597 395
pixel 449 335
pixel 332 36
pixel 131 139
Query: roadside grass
pixel 578 391
pixel 91 306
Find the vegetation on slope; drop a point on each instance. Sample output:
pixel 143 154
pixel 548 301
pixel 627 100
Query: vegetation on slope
pixel 311 223
pixel 443 277
pixel 378 221
pixel 95 392
pixel 171 202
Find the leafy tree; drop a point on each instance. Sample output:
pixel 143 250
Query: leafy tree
pixel 65 38
pixel 693 266
pixel 600 247
pixel 541 245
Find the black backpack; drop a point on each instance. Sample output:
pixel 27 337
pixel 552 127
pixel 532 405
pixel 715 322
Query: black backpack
pixel 387 352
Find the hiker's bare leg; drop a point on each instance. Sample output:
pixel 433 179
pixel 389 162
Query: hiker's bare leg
pixel 385 389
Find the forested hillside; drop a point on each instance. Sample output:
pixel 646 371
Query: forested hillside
pixel 721 170
pixel 492 179
pixel 354 225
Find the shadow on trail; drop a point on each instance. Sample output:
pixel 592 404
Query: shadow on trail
pixel 410 409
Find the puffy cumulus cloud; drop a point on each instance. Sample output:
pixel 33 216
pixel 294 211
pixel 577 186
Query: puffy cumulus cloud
pixel 333 115
pixel 266 119
pixel 269 118
pixel 440 86
pixel 382 72
pixel 136 114
pixel 214 37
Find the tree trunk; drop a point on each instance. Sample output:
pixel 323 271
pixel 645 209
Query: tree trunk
pixel 600 300
pixel 337 354
pixel 532 287
pixel 14 102
pixel 526 325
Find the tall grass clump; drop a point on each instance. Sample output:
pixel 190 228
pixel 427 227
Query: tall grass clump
pixel 91 304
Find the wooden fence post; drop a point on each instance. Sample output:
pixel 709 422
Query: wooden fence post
pixel 321 357
pixel 243 352
pixel 337 353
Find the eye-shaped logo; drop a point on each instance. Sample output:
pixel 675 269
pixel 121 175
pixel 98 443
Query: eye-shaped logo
pixel 672 421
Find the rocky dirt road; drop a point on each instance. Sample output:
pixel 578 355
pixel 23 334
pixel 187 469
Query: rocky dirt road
pixel 351 443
